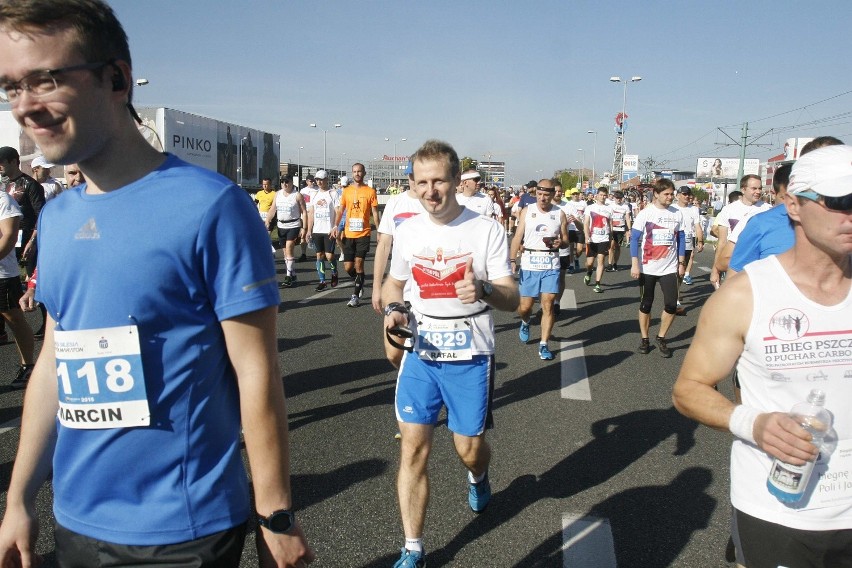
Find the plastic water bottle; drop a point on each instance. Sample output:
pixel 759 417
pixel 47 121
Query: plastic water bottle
pixel 786 481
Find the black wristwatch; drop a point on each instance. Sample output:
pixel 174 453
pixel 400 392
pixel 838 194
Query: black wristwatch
pixel 279 522
pixel 487 288
pixel 395 307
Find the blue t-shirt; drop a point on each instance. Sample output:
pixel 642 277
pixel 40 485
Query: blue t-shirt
pixel 173 253
pixel 766 233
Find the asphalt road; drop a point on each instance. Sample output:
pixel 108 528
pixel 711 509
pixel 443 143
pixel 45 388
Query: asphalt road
pixel 592 466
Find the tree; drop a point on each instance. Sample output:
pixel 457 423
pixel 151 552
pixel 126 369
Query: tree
pixel 468 163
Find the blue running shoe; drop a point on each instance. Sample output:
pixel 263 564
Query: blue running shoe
pixel 479 495
pixel 524 332
pixel 411 559
pixel 687 279
pixel 544 353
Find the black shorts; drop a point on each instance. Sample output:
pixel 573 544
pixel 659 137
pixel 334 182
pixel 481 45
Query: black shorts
pixel 572 236
pixel 355 248
pixel 565 262
pixel 593 249
pixel 222 549
pixel 323 243
pixel 11 291
pixel 286 235
pixel 581 237
pixel 769 545
pixel 668 284
pixel 618 237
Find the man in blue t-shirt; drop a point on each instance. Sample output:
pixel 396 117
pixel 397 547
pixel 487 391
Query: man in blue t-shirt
pixel 160 336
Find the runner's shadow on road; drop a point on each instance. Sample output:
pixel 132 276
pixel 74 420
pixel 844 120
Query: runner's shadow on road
pixel 288 343
pixel 333 376
pixel 650 525
pixel 311 489
pixel 618 442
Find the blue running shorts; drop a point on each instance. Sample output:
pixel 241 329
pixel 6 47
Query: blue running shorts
pixel 464 387
pixel 533 283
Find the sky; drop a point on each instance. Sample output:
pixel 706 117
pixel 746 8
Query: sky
pixel 520 81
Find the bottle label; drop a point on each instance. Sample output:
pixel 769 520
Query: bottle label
pixel 830 479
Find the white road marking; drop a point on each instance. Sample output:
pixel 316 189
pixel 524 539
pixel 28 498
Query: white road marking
pixel 326 292
pixel 10 425
pixel 587 542
pixel 703 268
pixel 568 301
pixel 574 376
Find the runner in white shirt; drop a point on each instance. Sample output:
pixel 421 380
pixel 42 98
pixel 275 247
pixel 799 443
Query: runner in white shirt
pixel 731 214
pixel 692 228
pixel 307 193
pixel 457 264
pixel 657 255
pixel 780 341
pixel 621 225
pixel 321 213
pixel 468 196
pixel 598 231
pixel 575 211
pixel 289 212
pixel 542 228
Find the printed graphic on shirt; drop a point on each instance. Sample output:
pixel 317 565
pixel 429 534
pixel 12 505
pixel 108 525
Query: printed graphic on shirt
pixel 658 242
pixel 792 346
pixel 437 271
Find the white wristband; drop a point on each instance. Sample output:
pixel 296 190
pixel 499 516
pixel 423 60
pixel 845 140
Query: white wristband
pixel 742 423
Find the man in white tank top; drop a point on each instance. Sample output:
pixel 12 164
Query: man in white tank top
pixel 786 321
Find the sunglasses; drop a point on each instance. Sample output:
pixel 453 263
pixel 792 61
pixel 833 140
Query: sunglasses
pixel 842 203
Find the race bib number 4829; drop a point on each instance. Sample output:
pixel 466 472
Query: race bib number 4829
pixel 101 382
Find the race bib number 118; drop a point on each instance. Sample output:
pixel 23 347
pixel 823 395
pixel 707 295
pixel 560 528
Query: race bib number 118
pixel 101 382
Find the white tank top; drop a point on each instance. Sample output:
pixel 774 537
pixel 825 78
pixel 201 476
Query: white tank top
pixel 794 345
pixel 287 210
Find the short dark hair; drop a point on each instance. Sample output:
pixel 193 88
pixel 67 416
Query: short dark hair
pixel 744 180
pixel 734 195
pixel 9 154
pixel 820 142
pixel 662 184
pixel 100 36
pixel 781 177
pixel 434 150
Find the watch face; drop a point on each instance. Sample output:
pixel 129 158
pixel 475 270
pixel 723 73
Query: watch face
pixel 487 288
pixel 280 521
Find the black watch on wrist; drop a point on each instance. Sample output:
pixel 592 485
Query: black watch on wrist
pixel 279 522
pixel 487 288
pixel 395 307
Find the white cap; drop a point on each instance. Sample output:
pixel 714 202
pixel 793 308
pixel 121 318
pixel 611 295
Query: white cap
pixel 826 170
pixel 321 174
pixel 470 175
pixel 40 162
pixel 344 181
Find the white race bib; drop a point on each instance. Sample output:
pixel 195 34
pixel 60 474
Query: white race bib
pixel 832 478
pixel 101 382
pixel 662 237
pixel 444 340
pixel 355 225
pixel 539 260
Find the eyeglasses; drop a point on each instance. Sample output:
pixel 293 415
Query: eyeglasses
pixel 42 83
pixel 841 203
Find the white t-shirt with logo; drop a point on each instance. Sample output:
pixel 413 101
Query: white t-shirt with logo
pixel 658 244
pixel 9 263
pixel 433 257
pixel 323 207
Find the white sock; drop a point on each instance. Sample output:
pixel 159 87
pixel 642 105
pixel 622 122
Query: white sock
pixel 414 544
pixel 475 479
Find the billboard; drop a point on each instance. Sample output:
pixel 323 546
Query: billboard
pixel 793 147
pixel 629 166
pixel 243 155
pixel 725 167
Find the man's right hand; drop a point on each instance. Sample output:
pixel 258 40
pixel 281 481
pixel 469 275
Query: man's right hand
pixel 27 301
pixel 18 536
pixel 782 437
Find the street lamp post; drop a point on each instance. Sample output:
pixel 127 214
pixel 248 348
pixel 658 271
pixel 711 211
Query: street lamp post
pixel 620 147
pixel 324 142
pixel 594 155
pixel 242 138
pixel 299 166
pixel 582 167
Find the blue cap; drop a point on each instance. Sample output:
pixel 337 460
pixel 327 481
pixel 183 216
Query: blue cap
pixel 409 169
